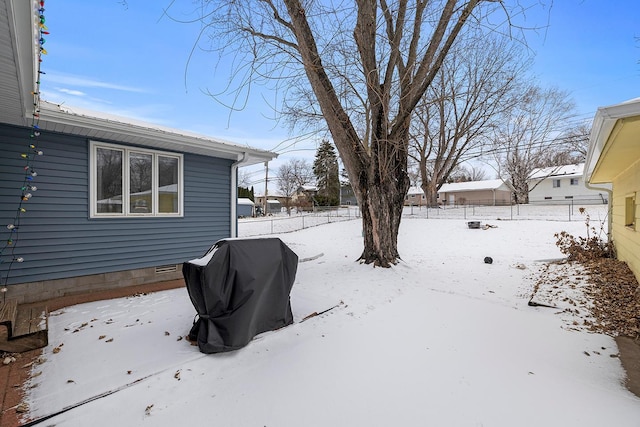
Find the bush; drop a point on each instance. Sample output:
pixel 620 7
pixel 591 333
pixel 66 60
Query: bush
pixel 594 246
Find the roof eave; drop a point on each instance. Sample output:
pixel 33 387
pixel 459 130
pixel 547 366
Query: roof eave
pixel 603 123
pixel 50 117
pixel 25 54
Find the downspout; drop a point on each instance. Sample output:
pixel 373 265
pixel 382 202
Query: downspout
pixel 609 206
pixel 234 195
pixel 603 124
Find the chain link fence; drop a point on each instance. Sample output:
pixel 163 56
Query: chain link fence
pixel 556 212
pixel 283 223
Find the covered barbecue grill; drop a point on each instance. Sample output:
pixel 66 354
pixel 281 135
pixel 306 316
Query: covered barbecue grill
pixel 240 288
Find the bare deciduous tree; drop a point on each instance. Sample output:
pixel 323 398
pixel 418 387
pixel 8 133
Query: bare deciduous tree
pixel 468 97
pixel 530 131
pixel 291 176
pixel 360 66
pixel 467 173
pixel 244 178
pixel 576 142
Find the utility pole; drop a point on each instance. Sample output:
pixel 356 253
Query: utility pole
pixel 266 181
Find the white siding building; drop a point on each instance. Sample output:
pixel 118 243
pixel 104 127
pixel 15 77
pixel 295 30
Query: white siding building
pixel 491 192
pixel 562 184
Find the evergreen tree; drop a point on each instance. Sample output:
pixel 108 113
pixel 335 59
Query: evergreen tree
pixel 245 193
pixel 325 168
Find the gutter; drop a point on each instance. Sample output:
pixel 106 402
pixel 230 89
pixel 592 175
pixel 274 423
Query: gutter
pixel 234 194
pixel 26 51
pixel 603 123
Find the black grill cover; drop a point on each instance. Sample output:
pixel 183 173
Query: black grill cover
pixel 240 288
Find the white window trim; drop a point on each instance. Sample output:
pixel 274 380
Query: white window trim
pixel 93 182
pixel 634 211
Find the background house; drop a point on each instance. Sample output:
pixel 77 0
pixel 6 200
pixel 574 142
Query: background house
pixel 613 160
pixel 492 192
pixel 415 197
pixel 273 204
pixel 246 207
pixel 562 184
pixel 118 202
pixel 347 195
pixel 304 197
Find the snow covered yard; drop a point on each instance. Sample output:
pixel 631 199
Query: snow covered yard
pixel 442 339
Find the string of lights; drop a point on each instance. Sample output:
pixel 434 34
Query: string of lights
pixel 30 155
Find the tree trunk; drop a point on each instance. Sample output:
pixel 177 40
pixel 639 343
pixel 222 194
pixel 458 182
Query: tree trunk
pixel 377 161
pixel 430 193
pixel 381 204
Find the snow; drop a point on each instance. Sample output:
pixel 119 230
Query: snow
pixel 441 339
pixel 566 171
pixel 490 184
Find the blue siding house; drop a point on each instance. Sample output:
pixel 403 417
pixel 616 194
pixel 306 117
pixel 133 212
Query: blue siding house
pixel 116 202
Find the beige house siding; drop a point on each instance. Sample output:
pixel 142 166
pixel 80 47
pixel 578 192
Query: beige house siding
pixel 415 200
pixel 626 238
pixel 614 158
pixel 476 197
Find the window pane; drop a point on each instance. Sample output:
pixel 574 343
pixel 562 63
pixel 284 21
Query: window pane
pixel 140 179
pixel 168 184
pixel 630 211
pixel 109 180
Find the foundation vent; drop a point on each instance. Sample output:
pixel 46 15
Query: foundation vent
pixel 164 269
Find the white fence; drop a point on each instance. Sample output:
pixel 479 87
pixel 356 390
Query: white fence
pixel 556 212
pixel 283 223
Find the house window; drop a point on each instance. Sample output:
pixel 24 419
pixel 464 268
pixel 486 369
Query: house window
pixel 134 182
pixel 574 181
pixel 568 197
pixel 630 211
pixel 556 183
pixel 548 198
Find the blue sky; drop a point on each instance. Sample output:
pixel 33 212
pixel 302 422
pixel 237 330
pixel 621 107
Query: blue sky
pixel 131 60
